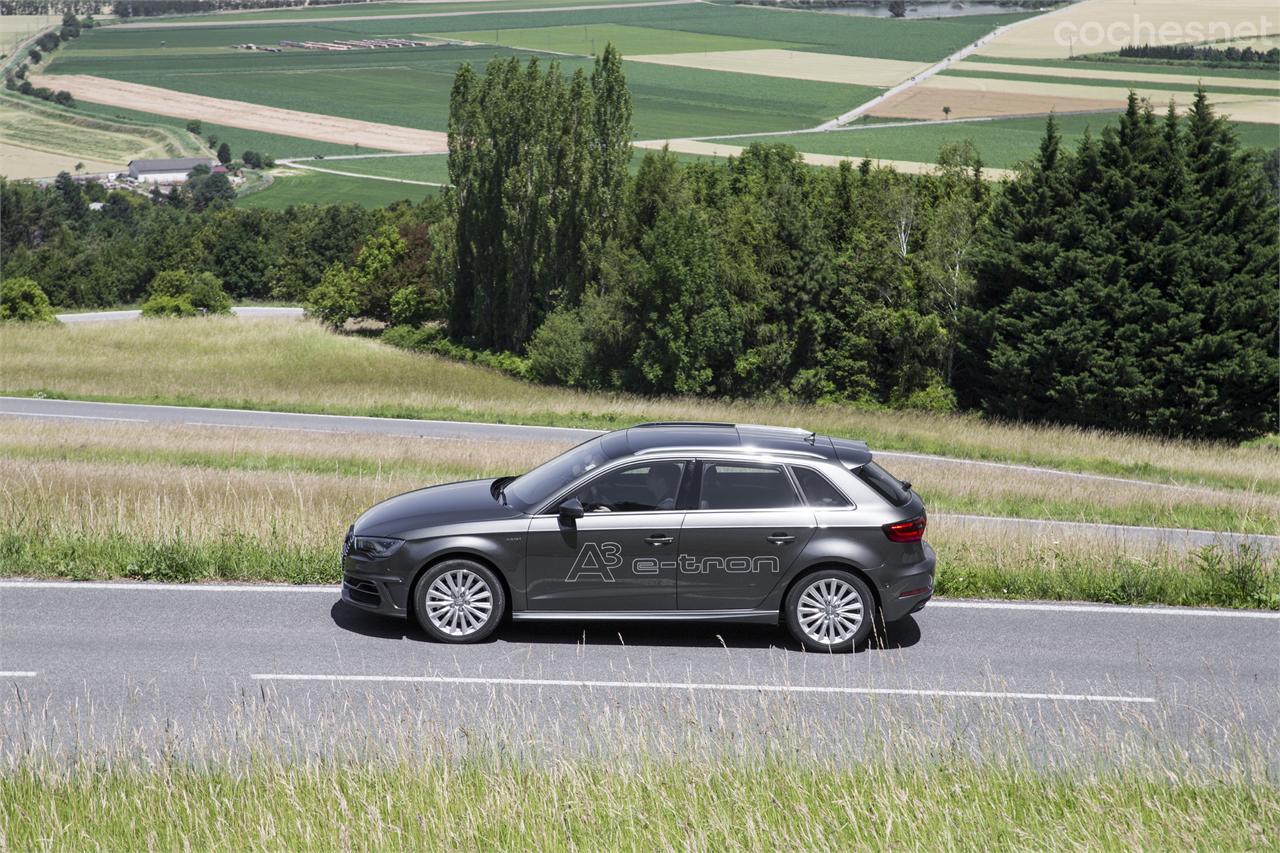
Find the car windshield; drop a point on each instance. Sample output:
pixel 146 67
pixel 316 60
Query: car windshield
pixel 529 490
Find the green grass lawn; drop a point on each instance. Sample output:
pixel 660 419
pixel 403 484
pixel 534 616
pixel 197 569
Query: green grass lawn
pixel 1002 143
pixel 321 188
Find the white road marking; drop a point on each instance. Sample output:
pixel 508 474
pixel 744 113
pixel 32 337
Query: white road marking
pixel 253 426
pixel 934 604
pixel 17 674
pixel 1118 609
pixel 738 688
pixel 148 586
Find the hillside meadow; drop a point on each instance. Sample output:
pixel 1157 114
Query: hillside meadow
pixel 298 366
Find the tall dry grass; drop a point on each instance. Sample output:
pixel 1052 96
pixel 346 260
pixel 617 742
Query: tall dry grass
pixel 299 366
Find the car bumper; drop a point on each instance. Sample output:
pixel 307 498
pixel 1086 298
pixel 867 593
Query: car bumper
pixel 369 587
pixel 908 588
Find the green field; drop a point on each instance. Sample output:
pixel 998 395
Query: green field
pixel 355 9
pixel 628 39
pixel 411 87
pixel 1134 67
pixel 414 167
pixel 321 188
pixel 1002 143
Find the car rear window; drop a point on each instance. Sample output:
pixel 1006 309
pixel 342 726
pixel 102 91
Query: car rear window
pixel 884 483
pixel 818 491
pixel 742 485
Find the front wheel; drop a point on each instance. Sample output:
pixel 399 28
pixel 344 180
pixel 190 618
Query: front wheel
pixel 459 601
pixel 830 611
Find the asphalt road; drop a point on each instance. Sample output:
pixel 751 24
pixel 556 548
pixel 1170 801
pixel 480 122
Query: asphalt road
pixel 156 661
pixel 239 311
pixel 248 419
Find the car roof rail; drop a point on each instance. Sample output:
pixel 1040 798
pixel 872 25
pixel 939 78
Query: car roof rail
pixel 684 424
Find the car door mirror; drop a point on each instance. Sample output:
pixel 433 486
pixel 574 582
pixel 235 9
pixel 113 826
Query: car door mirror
pixel 570 511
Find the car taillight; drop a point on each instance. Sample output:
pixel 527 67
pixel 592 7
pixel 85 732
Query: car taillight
pixel 911 530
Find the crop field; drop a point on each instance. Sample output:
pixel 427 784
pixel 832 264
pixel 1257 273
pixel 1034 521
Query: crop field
pixel 239 138
pixel 298 186
pixel 1098 26
pixel 41 140
pixel 255 364
pixel 391 8
pixel 1002 143
pixel 627 38
pixel 15 29
pixel 425 167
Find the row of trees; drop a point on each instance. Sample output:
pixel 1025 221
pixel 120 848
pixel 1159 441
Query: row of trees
pixel 86 257
pixel 1203 54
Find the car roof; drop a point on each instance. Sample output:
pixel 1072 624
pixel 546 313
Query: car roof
pixel 701 436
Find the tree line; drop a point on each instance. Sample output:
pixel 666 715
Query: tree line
pixel 1203 53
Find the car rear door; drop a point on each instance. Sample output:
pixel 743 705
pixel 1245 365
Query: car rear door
pixel 621 555
pixel 747 530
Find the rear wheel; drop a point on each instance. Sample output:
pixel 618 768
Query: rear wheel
pixel 830 611
pixel 459 601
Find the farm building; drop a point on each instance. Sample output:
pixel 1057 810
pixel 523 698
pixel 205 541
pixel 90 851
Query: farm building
pixel 166 171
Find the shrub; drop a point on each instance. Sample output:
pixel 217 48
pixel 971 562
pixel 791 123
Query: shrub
pixel 559 353
pixel 161 305
pixel 22 301
pixel 252 159
pixel 195 126
pixel 178 293
pixel 334 299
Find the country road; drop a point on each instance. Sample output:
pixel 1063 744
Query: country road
pixel 158 659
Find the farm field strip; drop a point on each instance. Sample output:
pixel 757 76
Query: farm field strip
pixel 1171 69
pixel 251 116
pixel 794 65
pixel 305 186
pixel 384 9
pixel 21 162
pixel 1061 33
pixel 295 164
pixel 629 39
pixel 1117 74
pixel 1049 83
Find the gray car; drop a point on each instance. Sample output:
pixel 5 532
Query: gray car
pixel 663 521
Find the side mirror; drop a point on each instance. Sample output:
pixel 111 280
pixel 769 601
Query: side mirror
pixel 570 511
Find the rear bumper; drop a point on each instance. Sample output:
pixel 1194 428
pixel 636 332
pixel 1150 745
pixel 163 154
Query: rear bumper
pixel 908 588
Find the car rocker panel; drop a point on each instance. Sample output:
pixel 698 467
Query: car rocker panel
pixel 659 521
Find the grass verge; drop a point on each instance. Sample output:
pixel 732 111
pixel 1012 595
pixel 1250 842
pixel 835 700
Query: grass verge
pixel 594 805
pixel 255 365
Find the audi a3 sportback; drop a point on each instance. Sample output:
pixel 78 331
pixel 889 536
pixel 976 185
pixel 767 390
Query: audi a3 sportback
pixel 664 521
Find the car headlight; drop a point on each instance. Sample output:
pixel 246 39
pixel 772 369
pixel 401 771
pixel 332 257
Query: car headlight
pixel 375 547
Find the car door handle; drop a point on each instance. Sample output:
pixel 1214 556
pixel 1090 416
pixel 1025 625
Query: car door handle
pixel 659 539
pixel 781 538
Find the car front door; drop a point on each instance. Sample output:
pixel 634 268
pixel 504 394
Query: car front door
pixel 747 530
pixel 621 554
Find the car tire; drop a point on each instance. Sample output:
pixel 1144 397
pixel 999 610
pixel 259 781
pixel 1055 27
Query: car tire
pixel 459 601
pixel 831 610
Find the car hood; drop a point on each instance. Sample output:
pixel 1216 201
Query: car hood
pixel 436 505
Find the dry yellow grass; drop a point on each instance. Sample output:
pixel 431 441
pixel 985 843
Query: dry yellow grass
pixel 1097 26
pixel 17 161
pixel 920 102
pixel 795 65
pixel 298 365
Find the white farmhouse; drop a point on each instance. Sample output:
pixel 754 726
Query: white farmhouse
pixel 166 171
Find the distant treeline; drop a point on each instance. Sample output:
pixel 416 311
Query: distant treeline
pixel 151 8
pixel 1203 54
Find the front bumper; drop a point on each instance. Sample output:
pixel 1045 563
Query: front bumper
pixel 365 586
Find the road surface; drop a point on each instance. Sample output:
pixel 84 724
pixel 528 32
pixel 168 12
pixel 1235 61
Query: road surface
pixel 170 660
pixel 239 311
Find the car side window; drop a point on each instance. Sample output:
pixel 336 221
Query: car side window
pixel 817 489
pixel 646 487
pixel 745 485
